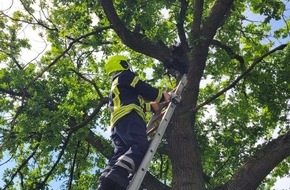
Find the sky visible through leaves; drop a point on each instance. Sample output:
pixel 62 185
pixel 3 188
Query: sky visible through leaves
pixel 38 46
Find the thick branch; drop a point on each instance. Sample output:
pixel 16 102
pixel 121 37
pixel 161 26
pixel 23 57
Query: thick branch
pixel 197 15
pixel 150 182
pixel 202 39
pixel 100 144
pixel 135 41
pixel 243 75
pixel 180 23
pixel 216 18
pixel 250 175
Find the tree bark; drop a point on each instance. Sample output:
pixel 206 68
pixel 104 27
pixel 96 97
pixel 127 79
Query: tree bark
pixel 186 161
pixel 251 174
pixel 135 41
pixel 186 164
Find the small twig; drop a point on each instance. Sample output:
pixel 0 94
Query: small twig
pixel 90 81
pixel 222 166
pixel 39 53
pixel 229 51
pixel 6 161
pixel 71 44
pixel 73 166
pixel 47 176
pixel 243 75
pixel 90 117
pixel 20 167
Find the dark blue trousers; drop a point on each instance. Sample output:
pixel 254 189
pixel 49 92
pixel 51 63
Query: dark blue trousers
pixel 130 145
pixel 130 140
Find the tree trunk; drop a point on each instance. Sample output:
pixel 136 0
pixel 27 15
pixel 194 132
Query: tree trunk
pixel 185 157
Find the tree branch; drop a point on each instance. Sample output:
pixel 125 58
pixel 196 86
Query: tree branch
pixel 150 182
pixel 216 18
pixel 38 22
pixel 12 123
pixel 243 75
pixel 135 41
pixel 11 92
pixel 100 144
pixel 20 167
pixel 250 175
pixel 197 16
pixel 41 185
pixel 71 44
pixel 90 117
pixel 91 82
pixel 180 24
pixel 229 51
pixel 2 164
pixel 38 53
pixel 72 169
pixel 11 55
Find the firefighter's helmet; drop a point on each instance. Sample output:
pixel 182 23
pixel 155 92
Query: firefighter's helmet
pixel 116 63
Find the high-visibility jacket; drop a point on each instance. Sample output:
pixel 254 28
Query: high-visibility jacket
pixel 128 93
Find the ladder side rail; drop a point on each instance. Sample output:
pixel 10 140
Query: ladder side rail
pixel 141 172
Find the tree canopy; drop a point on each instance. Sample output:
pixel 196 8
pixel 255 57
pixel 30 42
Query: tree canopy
pixel 230 131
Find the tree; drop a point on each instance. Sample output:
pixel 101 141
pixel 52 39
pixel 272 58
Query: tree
pixel 230 131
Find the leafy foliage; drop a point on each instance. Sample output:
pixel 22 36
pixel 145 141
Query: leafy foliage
pixel 53 116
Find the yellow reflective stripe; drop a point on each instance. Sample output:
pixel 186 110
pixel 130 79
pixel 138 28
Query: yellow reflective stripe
pixel 124 110
pixel 148 107
pixel 116 92
pixel 116 99
pixel 134 81
pixel 141 101
pixel 115 82
pixel 144 105
pixel 160 93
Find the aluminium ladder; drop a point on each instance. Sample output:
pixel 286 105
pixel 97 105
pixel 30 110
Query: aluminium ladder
pixel 175 99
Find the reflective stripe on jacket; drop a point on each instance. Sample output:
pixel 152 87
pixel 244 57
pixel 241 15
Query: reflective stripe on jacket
pixel 127 94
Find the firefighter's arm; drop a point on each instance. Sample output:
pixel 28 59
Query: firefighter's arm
pixel 157 106
pixel 157 97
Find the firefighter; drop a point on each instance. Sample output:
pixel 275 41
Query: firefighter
pixel 128 127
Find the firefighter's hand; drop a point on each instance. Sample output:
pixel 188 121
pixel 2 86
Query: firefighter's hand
pixel 160 105
pixel 166 97
pixel 156 106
